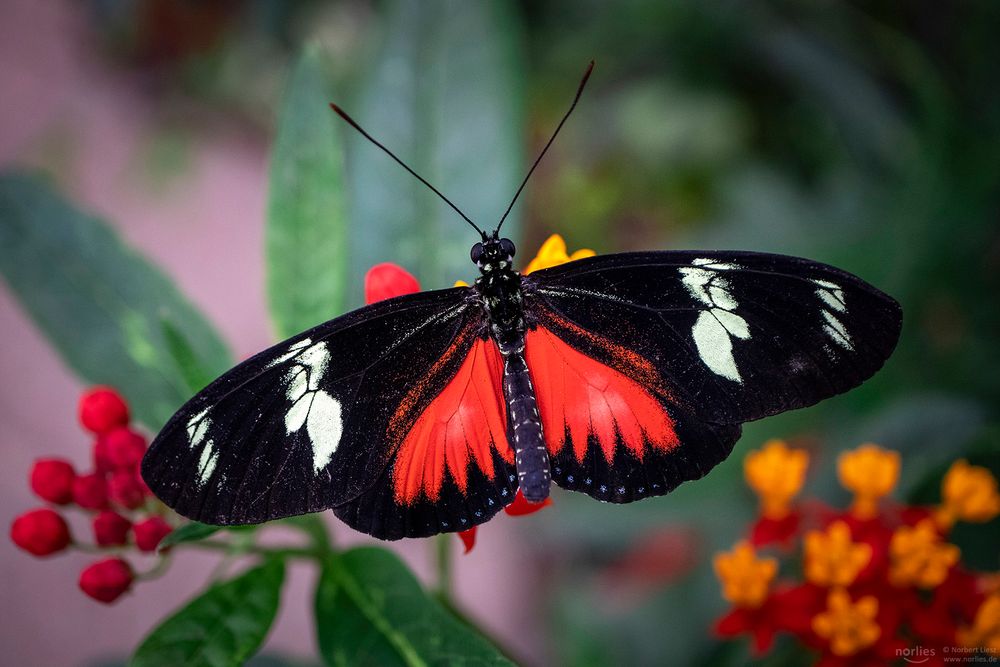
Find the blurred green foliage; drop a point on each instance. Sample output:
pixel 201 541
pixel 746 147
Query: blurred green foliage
pixel 864 134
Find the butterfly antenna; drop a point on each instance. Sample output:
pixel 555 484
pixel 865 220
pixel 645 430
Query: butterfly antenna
pixel 352 123
pixel 579 91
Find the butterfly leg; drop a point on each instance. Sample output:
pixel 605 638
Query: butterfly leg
pixel 524 424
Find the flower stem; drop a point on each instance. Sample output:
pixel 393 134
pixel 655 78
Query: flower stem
pixel 443 544
pixel 310 553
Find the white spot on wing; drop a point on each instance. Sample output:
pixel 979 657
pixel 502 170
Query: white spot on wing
pixel 206 464
pixel 292 351
pixel 832 297
pixel 717 325
pixel 835 329
pixel 296 415
pixel 830 300
pixel 325 428
pixel 298 382
pixel 197 427
pixel 715 347
pixel 312 407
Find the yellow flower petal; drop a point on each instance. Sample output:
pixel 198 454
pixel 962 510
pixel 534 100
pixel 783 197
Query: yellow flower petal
pixel 848 626
pixel 870 472
pixel 745 578
pixel 968 493
pixel 920 557
pixel 776 473
pixel 984 633
pixel 553 253
pixel 831 558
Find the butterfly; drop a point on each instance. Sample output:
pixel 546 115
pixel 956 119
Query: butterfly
pixel 620 376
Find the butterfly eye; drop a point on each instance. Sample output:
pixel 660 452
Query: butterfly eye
pixel 507 247
pixel 476 253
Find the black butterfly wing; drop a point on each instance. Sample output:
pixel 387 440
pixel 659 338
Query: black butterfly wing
pixel 316 420
pixel 735 336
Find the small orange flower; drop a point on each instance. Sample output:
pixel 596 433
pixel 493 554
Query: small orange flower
pixel 848 626
pixel 745 578
pixel 920 557
pixel 832 559
pixel 984 633
pixel 869 472
pixel 968 493
pixel 776 473
pixel 553 253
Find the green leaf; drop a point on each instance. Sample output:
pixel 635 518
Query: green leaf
pixel 306 223
pixel 189 532
pixel 225 625
pixel 445 95
pixel 370 610
pixel 100 303
pixel 195 376
pixel 313 526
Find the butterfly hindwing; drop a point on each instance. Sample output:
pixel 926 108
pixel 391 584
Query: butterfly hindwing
pixel 736 336
pixel 308 424
pixel 453 467
pixel 611 425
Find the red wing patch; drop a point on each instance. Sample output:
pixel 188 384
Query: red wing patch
pixel 578 394
pixel 464 423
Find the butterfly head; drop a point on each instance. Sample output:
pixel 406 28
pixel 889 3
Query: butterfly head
pixel 493 254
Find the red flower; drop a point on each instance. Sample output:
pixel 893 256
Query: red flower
pixel 518 507
pixel 106 580
pixel 468 538
pixel 102 409
pixel 148 533
pixel 90 491
pixel 102 460
pixel 111 528
pixel 385 281
pixel 125 489
pixel 52 480
pixel 521 506
pixel 778 532
pixel 789 609
pixel 122 447
pixel 40 532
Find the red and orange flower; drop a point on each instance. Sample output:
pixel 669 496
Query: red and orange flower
pixel 880 581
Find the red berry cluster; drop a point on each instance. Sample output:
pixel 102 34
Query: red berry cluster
pixel 112 495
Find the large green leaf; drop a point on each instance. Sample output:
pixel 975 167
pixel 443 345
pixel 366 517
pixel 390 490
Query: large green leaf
pixel 370 610
pixel 444 94
pixel 306 219
pixel 102 305
pixel 223 626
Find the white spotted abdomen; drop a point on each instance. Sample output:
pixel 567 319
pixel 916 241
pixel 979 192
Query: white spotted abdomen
pixel 524 426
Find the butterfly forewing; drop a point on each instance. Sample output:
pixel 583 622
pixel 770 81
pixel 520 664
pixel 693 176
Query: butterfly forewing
pixel 733 336
pixel 307 424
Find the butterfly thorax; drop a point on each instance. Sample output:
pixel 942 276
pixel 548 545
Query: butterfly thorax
pixel 500 288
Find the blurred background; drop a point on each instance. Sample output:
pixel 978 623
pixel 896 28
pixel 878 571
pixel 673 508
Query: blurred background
pixel 863 134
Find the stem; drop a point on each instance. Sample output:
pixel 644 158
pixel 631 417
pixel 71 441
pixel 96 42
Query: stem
pixel 155 572
pixel 443 544
pixel 310 553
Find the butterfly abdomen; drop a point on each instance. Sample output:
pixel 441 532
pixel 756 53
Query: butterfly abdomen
pixel 524 426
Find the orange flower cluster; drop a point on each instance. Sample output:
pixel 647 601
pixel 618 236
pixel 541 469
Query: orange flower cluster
pixel 880 582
